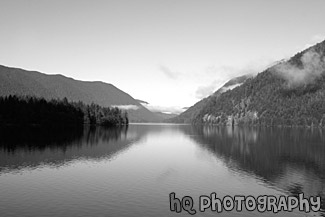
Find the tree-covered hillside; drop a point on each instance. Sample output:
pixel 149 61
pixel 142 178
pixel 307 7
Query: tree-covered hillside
pixel 290 93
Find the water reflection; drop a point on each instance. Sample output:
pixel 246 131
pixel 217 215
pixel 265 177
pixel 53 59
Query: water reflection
pixel 30 148
pixel 289 159
pixel 26 147
pixel 131 171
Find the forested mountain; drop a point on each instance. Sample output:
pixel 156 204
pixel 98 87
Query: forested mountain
pixel 18 82
pixel 290 93
pixel 188 115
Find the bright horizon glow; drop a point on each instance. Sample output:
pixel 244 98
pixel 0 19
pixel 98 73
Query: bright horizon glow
pixel 168 53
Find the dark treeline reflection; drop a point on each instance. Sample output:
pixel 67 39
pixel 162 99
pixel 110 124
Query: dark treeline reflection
pixel 32 147
pixel 290 159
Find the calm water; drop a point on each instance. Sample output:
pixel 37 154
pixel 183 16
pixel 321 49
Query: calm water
pixel 131 171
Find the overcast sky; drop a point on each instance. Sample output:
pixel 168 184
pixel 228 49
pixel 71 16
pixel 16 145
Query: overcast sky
pixel 170 53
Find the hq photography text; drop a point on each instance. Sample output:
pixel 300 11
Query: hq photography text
pixel 238 203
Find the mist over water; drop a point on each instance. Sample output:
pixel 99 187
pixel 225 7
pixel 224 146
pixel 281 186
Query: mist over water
pixel 131 171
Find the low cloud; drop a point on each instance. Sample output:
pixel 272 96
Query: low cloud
pixel 313 66
pixel 225 73
pixel 229 72
pixel 204 91
pixel 224 89
pixel 169 73
pixel 126 107
pixel 314 40
pixel 164 109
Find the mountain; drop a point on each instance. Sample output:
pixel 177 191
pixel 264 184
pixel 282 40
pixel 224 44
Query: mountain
pixel 289 93
pixel 191 112
pixel 14 81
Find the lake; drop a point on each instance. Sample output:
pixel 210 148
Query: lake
pixel 131 171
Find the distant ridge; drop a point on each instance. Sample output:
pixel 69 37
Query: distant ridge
pixel 15 81
pixel 191 112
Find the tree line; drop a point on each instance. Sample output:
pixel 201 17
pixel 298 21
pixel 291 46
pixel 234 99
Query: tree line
pixel 30 110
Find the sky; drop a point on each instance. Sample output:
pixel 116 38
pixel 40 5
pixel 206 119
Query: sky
pixel 169 53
